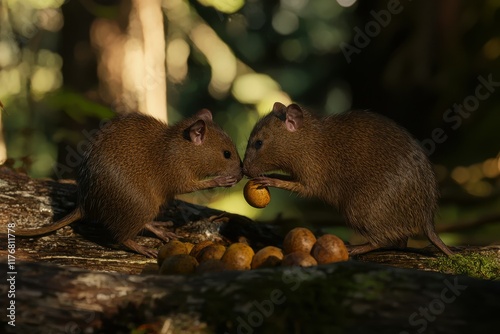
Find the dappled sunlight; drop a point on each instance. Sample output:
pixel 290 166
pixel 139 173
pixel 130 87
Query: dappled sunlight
pixel 476 179
pixel 225 6
pixel 178 52
pixel 131 65
pixel 10 81
pixel 221 59
pixel 228 74
pixel 110 42
pixel 251 88
pixel 491 49
pixel 44 80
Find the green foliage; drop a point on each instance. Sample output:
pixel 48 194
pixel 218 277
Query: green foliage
pixel 78 107
pixel 225 6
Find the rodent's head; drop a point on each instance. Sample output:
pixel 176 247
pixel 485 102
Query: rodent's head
pixel 209 150
pixel 274 139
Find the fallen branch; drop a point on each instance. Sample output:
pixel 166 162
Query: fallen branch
pixel 350 297
pixel 95 288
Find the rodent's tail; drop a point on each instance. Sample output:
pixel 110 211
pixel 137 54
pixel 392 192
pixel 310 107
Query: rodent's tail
pixel 436 240
pixel 68 219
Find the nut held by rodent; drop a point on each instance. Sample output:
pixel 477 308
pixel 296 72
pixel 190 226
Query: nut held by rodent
pixel 256 195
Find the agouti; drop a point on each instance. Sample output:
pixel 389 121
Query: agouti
pixel 137 163
pixel 364 164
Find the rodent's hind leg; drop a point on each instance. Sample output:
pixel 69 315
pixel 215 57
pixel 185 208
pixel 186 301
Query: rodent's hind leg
pixel 148 252
pixel 361 249
pixel 368 247
pixel 156 223
pixel 160 233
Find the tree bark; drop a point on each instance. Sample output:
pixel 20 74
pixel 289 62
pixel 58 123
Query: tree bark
pixel 75 280
pixel 351 297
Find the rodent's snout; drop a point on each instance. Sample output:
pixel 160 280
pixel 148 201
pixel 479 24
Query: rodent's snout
pixel 237 171
pixel 240 175
pixel 246 171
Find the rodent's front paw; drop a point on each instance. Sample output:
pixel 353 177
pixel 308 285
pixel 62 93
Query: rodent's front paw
pixel 264 181
pixel 226 181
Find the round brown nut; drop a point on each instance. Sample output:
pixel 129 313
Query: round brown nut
pixel 269 256
pixel 300 239
pixel 211 266
pixel 238 256
pixel 256 195
pixel 150 269
pixel 189 247
pixel 173 247
pixel 299 259
pixel 179 264
pixel 211 252
pixel 199 246
pixel 328 249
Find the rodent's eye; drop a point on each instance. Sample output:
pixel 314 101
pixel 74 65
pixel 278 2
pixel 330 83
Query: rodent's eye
pixel 227 154
pixel 257 144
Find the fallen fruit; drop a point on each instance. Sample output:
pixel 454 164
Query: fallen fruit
pixel 173 247
pixel 199 246
pixel 238 256
pixel 211 252
pixel 180 264
pixel 300 239
pixel 299 259
pixel 211 266
pixel 329 249
pixel 269 256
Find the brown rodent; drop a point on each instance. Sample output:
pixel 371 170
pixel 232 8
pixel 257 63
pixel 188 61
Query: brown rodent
pixel 136 163
pixel 364 164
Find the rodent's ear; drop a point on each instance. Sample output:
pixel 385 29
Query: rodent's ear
pixel 204 114
pixel 294 118
pixel 279 108
pixel 196 132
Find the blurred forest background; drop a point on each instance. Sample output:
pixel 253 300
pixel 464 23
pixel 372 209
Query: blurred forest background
pixel 432 66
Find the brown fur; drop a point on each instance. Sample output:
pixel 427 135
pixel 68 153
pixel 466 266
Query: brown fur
pixel 137 163
pixel 364 164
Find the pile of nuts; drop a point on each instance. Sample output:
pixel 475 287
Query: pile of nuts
pixel 300 248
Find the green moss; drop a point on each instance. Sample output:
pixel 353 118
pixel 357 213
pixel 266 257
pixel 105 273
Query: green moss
pixel 473 265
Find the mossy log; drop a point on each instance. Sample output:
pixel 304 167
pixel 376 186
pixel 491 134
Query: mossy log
pixel 349 297
pixel 75 281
